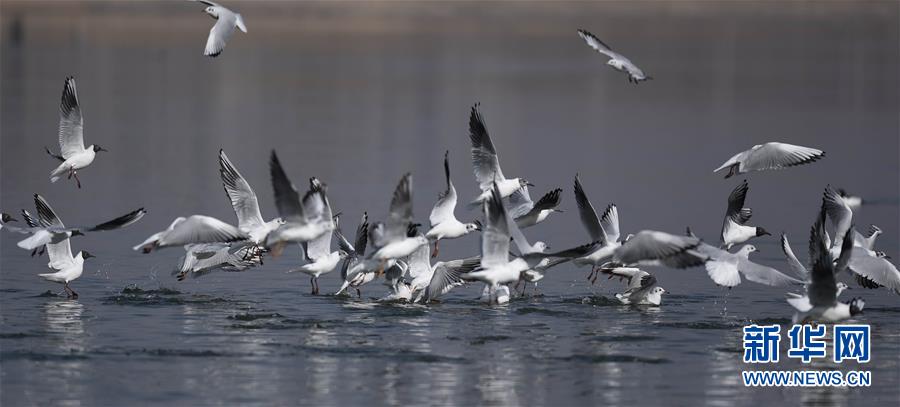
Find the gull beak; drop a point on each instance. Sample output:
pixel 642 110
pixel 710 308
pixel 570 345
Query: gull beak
pixel 529 184
pixel 558 210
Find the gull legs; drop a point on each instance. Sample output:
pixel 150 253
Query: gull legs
pixel 70 293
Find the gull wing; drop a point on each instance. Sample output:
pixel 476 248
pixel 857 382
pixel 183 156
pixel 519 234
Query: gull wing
pixel 773 156
pixel 597 45
pixel 495 236
pixel 839 213
pixel 401 211
pixel 588 215
pixel 484 156
pixel 200 229
pixel 610 223
pixel 448 275
pixel 446 203
pixel 653 245
pixel 287 199
pixel 71 124
pixel 793 263
pixel 241 195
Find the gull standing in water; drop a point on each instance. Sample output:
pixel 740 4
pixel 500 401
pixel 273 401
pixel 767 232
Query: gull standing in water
pixel 769 156
pixel 616 60
pixel 244 202
pixel 444 224
pixel 226 21
pixel 50 230
pixel 486 162
pixel 820 303
pixel 643 289
pixel 72 154
pixel 192 230
pixel 526 212
pixel 392 239
pixel 734 228
pixel 303 220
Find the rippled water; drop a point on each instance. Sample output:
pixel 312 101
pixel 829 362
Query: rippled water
pixel 357 94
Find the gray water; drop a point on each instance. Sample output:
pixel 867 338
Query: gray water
pixel 359 93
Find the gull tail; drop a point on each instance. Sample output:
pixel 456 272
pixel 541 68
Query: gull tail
pixel 240 23
pixel 57 173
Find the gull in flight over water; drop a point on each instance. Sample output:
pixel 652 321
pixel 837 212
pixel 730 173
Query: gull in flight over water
pixel 433 281
pixel 73 155
pixel 871 268
pixel 820 302
pixel 444 224
pixel 203 258
pixel 526 212
pixel 801 301
pixel 486 162
pixel 616 61
pixel 302 220
pixel 49 229
pixel 734 228
pixel 603 229
pixel 643 289
pixel 244 202
pixel 194 229
pixel 352 275
pixel 394 239
pixel 769 156
pixel 725 268
pixel 226 21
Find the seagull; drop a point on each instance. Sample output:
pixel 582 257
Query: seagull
pixel 794 264
pixel 725 268
pixel 227 20
pixel 50 229
pixel 355 256
pixel 495 267
pixel 867 241
pixel 734 228
pixel 68 268
pixel 73 156
pixel 444 224
pixel 319 259
pixel 853 201
pixel 192 230
pixel 821 293
pixel 6 218
pixel 486 163
pixel 643 289
pixel 202 258
pixel 616 60
pixel 770 156
pixel 602 229
pixel 872 269
pixel 244 202
pixel 526 212
pixel 392 239
pixel 432 281
pixel 303 220
pixel 399 289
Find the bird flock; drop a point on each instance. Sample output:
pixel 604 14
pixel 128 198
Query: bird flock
pixel 400 252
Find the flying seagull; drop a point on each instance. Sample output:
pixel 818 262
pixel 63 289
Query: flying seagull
pixel 303 220
pixel 444 224
pixel 769 156
pixel 244 202
pixel 725 268
pixel 603 229
pixel 616 60
pixel 734 228
pixel 73 156
pixel 486 162
pixel 392 239
pixel 203 258
pixel 49 229
pixel 643 289
pixel 219 34
pixel 192 230
pixel 526 212
pixel 355 255
pixel 822 291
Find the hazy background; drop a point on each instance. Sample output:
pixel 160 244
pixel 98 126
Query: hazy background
pixel 357 93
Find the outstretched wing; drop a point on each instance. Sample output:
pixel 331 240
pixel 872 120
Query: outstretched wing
pixel 243 199
pixel 794 264
pixel 773 156
pixel 484 155
pixel 71 124
pixel 596 44
pixel 588 215
pixel 446 203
